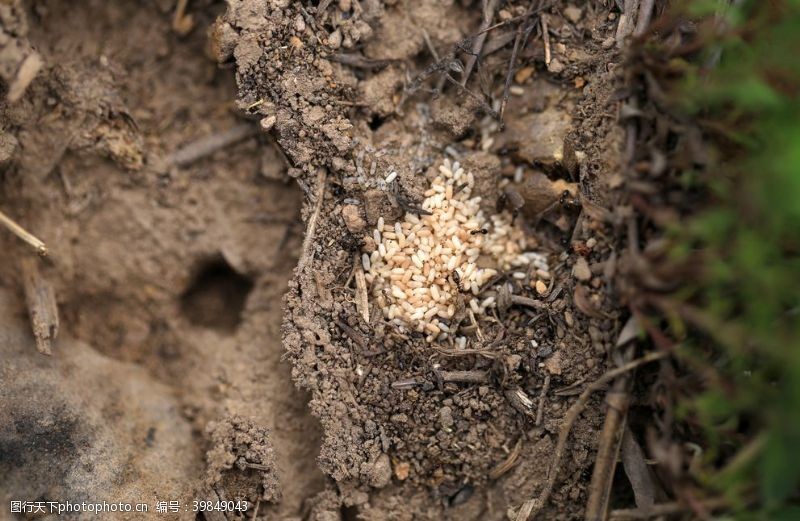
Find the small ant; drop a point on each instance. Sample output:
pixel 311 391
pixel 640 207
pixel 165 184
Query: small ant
pixel 483 231
pixel 567 201
pixel 457 280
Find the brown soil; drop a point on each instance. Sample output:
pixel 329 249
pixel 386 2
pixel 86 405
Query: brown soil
pixel 169 273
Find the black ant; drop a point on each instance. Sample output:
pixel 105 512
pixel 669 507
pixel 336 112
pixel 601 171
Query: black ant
pixel 457 280
pixel 567 201
pixel 483 231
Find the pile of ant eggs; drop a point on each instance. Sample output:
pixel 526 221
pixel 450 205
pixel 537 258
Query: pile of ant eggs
pixel 422 263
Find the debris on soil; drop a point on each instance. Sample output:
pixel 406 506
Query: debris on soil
pixel 243 444
pixel 19 62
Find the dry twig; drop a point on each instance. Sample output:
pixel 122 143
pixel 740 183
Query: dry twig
pixel 42 308
pixel 531 507
pixel 489 8
pixel 311 228
pixel 207 145
pixel 664 509
pixel 362 300
pixel 608 448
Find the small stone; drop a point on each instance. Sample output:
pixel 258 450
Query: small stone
pixel 573 14
pixel 379 473
pixel 524 74
pixel 581 270
pixel 296 42
pixel 553 364
pixel 352 218
pixel 446 417
pixel 579 82
pixel 541 287
pixel 299 24
pixel 608 43
pixel 335 39
pixel 569 319
pixel 268 122
pixel 555 66
pixel 401 470
pixel 345 5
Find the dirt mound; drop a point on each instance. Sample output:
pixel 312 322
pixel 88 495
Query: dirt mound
pixel 396 412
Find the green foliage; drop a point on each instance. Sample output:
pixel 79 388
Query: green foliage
pixel 750 236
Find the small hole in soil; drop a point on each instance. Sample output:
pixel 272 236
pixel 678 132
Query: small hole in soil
pixel 349 513
pixel 376 121
pixel 216 297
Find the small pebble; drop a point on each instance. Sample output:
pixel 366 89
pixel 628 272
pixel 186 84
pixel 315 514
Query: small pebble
pixel 581 270
pixel 573 14
pixel 351 214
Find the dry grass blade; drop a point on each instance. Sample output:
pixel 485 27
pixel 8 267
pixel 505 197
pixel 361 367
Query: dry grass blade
pixel 664 509
pixel 508 463
pixel 311 228
pixel 23 234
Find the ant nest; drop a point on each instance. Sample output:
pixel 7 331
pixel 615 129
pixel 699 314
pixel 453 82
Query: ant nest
pixel 422 264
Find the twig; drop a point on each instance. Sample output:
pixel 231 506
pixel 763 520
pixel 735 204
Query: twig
pixel 520 401
pixel 311 228
pixel 353 334
pixel 546 39
pixel 643 21
pixel 508 463
pixel 359 61
pixel 542 399
pixel 626 23
pixel 489 8
pixel 518 42
pixel 664 509
pixel 207 145
pixel 23 234
pixel 467 377
pixel 182 23
pixel 533 506
pixel 519 300
pixel 362 301
pixel 608 450
pixel 42 308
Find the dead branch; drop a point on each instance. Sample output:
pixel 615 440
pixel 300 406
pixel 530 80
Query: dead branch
pixel 533 506
pixel 42 308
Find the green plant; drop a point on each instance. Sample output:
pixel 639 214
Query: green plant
pixel 743 90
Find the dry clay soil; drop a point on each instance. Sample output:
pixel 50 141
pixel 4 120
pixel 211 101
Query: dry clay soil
pixel 211 346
